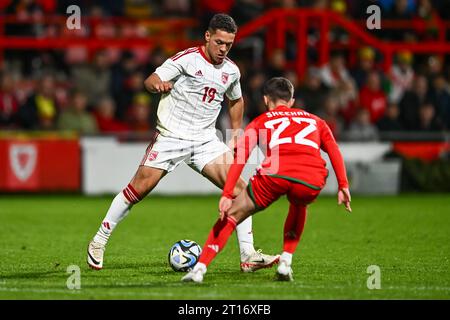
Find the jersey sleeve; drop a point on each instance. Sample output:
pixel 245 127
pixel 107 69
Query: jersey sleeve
pixel 245 146
pixel 170 69
pixel 329 145
pixel 234 92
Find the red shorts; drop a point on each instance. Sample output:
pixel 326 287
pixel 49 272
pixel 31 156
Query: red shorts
pixel 265 189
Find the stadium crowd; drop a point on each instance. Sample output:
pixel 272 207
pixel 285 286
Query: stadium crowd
pixel 64 90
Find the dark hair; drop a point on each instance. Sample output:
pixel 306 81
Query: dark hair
pixel 278 88
pixel 223 22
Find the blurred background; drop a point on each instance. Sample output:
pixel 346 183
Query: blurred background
pixel 73 107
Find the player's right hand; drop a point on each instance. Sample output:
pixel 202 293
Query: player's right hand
pixel 345 198
pixel 224 205
pixel 163 86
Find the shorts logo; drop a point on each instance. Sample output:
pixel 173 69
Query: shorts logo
pixel 152 155
pixel 225 77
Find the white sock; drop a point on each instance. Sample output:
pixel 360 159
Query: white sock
pixel 118 210
pixel 200 266
pixel 245 237
pixel 287 257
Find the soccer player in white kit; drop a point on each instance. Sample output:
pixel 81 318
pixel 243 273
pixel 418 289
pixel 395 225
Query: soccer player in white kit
pixel 193 83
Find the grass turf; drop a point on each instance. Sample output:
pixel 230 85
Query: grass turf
pixel 408 237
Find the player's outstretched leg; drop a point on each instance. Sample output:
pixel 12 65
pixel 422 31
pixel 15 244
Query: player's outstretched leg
pixel 251 260
pixel 144 181
pixel 293 229
pixel 241 209
pixel 217 239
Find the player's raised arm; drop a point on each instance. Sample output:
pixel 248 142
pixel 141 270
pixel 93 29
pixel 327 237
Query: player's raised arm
pixel 236 111
pixel 329 145
pixel 245 145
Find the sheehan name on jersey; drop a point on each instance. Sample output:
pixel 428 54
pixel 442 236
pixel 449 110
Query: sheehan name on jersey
pixel 287 113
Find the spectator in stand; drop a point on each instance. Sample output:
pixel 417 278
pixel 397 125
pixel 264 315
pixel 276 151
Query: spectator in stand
pixel 104 115
pixel 366 64
pixel 9 105
pixel 140 9
pixel 40 110
pixel 120 72
pixel 277 64
pixel 292 76
pixel 428 121
pixel 76 117
pixel 176 8
pixel 157 58
pixel 244 11
pixel 140 114
pixel 334 73
pixel 429 14
pixel 401 76
pixel 372 97
pixel 362 129
pixel 133 86
pixel 253 94
pixel 24 10
pixel 336 77
pixel 434 66
pixel 440 95
pixel 411 102
pixel 94 79
pixel 312 93
pixel 30 18
pixel 330 113
pixel 391 119
pixel 400 11
pixel 208 8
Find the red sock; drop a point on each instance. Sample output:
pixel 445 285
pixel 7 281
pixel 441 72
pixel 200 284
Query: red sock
pixel 293 227
pixel 217 239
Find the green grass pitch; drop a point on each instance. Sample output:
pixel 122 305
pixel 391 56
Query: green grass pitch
pixel 407 236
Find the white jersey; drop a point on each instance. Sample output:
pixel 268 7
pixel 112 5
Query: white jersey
pixel 190 110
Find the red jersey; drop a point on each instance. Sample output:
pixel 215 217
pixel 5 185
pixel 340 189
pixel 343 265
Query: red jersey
pixel 291 140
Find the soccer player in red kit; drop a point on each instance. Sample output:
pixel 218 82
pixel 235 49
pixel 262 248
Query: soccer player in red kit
pixel 291 140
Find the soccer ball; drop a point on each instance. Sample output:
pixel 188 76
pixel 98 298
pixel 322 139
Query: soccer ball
pixel 184 255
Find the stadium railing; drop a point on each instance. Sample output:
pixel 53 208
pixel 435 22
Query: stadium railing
pixel 175 33
pixel 170 33
pixel 300 21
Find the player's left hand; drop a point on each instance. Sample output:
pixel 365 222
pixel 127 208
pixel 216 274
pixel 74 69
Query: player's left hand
pixel 345 198
pixel 224 205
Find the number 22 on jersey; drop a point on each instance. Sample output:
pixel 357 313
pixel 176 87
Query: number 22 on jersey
pixel 299 138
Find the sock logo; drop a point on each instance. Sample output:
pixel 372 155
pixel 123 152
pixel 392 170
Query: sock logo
pixel 106 225
pixel 214 247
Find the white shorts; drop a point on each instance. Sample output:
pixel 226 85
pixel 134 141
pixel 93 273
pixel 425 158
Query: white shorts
pixel 167 153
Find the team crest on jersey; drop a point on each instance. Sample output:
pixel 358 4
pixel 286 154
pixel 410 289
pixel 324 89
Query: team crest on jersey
pixel 225 77
pixel 152 155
